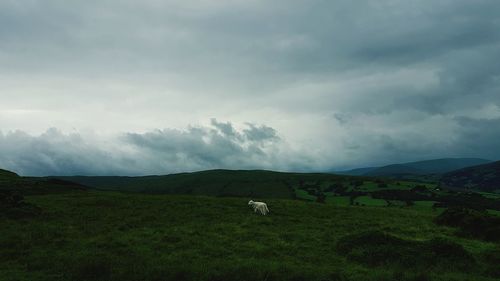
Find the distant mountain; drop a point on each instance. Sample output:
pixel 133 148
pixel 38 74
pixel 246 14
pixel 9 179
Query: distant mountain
pixel 435 166
pixel 395 169
pixel 482 177
pixel 356 172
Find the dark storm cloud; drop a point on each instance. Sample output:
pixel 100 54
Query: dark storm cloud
pixel 155 152
pixel 54 153
pixel 346 83
pixel 479 137
pixel 218 146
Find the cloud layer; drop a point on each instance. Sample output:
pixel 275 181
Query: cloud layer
pixel 342 83
pixel 222 145
pixel 219 145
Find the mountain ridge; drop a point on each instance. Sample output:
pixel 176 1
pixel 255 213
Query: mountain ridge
pixel 484 177
pixel 431 166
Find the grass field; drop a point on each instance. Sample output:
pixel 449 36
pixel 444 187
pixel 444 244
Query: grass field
pixel 114 236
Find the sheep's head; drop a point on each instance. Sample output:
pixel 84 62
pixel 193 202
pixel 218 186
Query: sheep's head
pixel 250 202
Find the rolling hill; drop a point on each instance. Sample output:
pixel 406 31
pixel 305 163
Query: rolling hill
pixel 4 174
pixel 356 172
pixel 235 183
pixel 435 166
pixel 482 177
pixel 12 182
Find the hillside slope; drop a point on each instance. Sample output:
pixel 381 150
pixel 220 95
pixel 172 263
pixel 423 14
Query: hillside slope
pixel 395 169
pixel 11 182
pixel 434 166
pixel 356 172
pixel 439 166
pixel 4 174
pixel 237 183
pixel 482 177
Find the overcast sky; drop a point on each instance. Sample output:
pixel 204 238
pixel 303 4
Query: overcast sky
pixel 125 87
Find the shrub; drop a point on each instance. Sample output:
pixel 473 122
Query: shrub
pixel 12 206
pixel 320 197
pixel 10 199
pixel 443 251
pixel 375 248
pixel 419 188
pixel 471 223
pixel 357 183
pixel 491 259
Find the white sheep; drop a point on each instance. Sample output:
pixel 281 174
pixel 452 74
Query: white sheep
pixel 259 206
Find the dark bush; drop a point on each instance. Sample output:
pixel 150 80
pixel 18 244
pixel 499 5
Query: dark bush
pixel 311 191
pixel 491 259
pixel 470 200
pixel 419 188
pixel 443 251
pixel 471 223
pixel 458 217
pixel 339 188
pixel 375 248
pixel 12 206
pixel 24 211
pixel 320 197
pixel 9 199
pixel 357 183
pixel 399 194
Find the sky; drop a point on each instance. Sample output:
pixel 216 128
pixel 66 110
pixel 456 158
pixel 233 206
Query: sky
pixel 121 87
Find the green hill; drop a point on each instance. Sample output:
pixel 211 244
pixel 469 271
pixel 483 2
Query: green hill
pixel 326 188
pixel 11 182
pixel 236 183
pixel 4 174
pixel 482 177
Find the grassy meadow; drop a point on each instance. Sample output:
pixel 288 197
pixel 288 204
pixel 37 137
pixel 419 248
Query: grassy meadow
pixel 102 235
